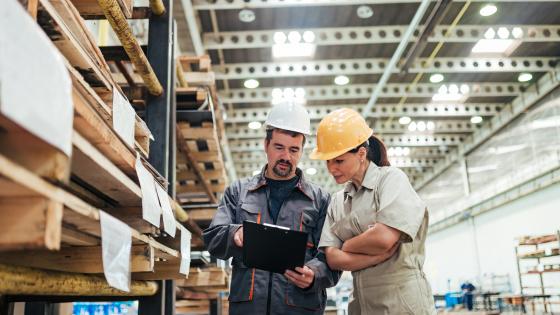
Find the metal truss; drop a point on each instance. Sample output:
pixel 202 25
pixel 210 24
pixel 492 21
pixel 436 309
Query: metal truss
pixel 238 145
pixel 517 107
pixel 404 162
pixel 253 4
pixel 376 66
pixel 376 35
pixel 363 91
pixel 415 111
pixel 380 127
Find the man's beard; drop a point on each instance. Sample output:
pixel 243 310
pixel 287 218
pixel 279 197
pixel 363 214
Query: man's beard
pixel 281 173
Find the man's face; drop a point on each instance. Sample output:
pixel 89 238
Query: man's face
pixel 283 154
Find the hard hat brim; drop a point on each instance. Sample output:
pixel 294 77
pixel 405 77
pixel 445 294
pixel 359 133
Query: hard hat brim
pixel 325 156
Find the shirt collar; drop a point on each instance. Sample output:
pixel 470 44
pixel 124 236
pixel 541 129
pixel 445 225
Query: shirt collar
pixel 369 182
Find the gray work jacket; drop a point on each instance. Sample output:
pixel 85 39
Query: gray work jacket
pixel 254 291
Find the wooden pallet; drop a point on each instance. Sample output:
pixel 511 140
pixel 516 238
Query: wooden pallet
pixel 91 8
pixel 200 162
pixel 38 215
pixel 211 279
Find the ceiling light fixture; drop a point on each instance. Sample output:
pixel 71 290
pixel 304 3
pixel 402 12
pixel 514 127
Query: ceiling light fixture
pixel 311 171
pixel 279 38
pixel 404 120
pixel 412 126
pixel 488 10
pixel 341 80
pixel 476 119
pixel 251 84
pixel 294 37
pixel 430 125
pixel 525 77
pixel 255 125
pixel 246 16
pixel 308 36
pixel 503 33
pixel 364 12
pixel 436 78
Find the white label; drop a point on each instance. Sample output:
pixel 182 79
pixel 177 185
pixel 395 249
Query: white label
pixel 35 88
pixel 169 224
pixel 151 210
pixel 185 251
pixel 124 118
pixel 116 242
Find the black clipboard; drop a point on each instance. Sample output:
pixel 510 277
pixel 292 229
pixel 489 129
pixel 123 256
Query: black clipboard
pixel 272 248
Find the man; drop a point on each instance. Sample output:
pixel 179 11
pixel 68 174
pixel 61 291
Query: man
pixel 278 195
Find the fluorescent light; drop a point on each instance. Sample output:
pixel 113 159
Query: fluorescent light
pixel 255 125
pixel 246 16
pixel 549 122
pixel 525 77
pixel 490 33
pixel 476 119
pixel 465 88
pixel 493 46
pixel 436 78
pixel 289 93
pixel 430 125
pixel 293 50
pixel 517 32
pixel 308 36
pixel 341 80
pixel 398 151
pixel 256 172
pixel 406 151
pixel 488 10
pixel 364 12
pixel 311 171
pixel 503 33
pixel 421 126
pixel 404 120
pixel 276 93
pixel 453 89
pixel 279 38
pixel 442 89
pixel 300 93
pixel 294 37
pixel 251 84
pixel 412 126
pixel 391 151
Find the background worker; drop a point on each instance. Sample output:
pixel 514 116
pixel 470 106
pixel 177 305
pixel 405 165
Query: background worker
pixel 376 226
pixel 278 195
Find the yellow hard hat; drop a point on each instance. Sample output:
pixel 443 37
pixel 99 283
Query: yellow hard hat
pixel 339 132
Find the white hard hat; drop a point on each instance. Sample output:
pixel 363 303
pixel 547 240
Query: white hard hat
pixel 289 116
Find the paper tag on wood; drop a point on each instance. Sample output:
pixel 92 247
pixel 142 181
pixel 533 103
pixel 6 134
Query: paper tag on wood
pixel 35 87
pixel 124 118
pixel 169 224
pixel 151 209
pixel 185 251
pixel 116 242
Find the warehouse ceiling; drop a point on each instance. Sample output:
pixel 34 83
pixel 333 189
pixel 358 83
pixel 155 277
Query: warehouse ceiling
pixel 479 56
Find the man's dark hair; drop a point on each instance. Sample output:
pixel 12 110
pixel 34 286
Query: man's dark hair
pixel 294 134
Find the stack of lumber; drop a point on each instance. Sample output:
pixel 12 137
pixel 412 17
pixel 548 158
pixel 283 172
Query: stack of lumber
pixel 57 183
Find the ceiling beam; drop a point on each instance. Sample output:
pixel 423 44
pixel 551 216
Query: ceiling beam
pixel 375 35
pixel 416 110
pixel 517 107
pixel 243 145
pixel 440 126
pixel 363 91
pixel 377 65
pixel 403 162
pixel 254 4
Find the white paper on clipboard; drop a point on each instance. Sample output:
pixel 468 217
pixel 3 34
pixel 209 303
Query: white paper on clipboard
pixel 151 209
pixel 169 224
pixel 116 243
pixel 185 251
pixel 124 118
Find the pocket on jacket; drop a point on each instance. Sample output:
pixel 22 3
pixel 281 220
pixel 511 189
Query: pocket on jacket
pixel 249 211
pixel 241 285
pixel 312 300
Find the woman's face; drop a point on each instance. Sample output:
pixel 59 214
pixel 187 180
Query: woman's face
pixel 344 167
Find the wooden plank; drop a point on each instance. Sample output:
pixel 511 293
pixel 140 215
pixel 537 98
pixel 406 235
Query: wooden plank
pixel 163 270
pixel 77 238
pixel 197 133
pixel 211 277
pixel 78 259
pixel 204 156
pixel 94 168
pixel 189 175
pixel 91 8
pixel 29 222
pixel 32 153
pixel 197 188
pixel 200 78
pixel 202 214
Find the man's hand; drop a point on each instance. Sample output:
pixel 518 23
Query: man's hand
pixel 238 237
pixel 303 278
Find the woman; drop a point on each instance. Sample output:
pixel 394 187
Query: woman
pixel 376 226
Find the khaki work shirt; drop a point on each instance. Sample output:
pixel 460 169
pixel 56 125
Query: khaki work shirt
pixel 398 285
